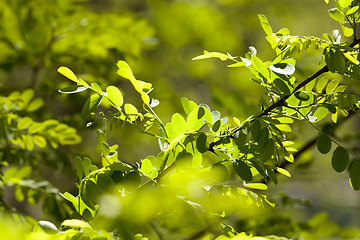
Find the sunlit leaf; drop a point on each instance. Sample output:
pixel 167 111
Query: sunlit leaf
pixel 24 123
pixel 115 96
pixel 283 171
pixel 259 186
pixel 91 105
pixel 131 111
pixel 223 57
pixel 283 68
pixel 40 141
pixel 68 73
pixel 35 105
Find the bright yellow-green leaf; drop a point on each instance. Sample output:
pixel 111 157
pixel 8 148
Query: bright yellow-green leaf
pixel 145 98
pixel 283 171
pixel 24 123
pixel 68 73
pixel 115 96
pixel 223 57
pixel 332 86
pixel 96 88
pixel 35 105
pixel 179 123
pixel 131 111
pixel 125 70
pixel 74 223
pixel 284 127
pixel 259 186
pixel 40 141
pixel 345 3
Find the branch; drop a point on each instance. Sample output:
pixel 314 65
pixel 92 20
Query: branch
pixel 282 101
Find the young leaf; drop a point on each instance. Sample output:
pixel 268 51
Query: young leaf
pixel 340 159
pixel 91 105
pixel 131 111
pixel 68 73
pixel 115 96
pixel 223 57
pixel 323 143
pixel 24 123
pixel 242 170
pixel 258 186
pixel 332 86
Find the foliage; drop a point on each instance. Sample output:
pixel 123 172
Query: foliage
pixel 209 169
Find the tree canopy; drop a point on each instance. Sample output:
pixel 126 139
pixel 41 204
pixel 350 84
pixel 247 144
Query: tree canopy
pixel 189 119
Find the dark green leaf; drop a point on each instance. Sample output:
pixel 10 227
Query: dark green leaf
pixel 272 175
pixel 105 183
pixel 91 191
pixel 355 175
pixel 242 170
pixel 282 86
pixel 323 143
pixel 255 129
pixel 202 144
pixel 340 159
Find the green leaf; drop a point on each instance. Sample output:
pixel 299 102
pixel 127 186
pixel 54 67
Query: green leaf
pixel 219 172
pixel 91 105
pixel 266 154
pixel 131 111
pixel 267 28
pixel 258 186
pixel 259 66
pixel 323 143
pixel 320 113
pixel 68 73
pixel 239 64
pixel 73 89
pixel 283 127
pixel 96 88
pixel 339 61
pixel 242 170
pixel 79 168
pixel 352 10
pixel 337 15
pixel 195 119
pixel 223 57
pixel 74 223
pixel 115 96
pixel 355 175
pixel 255 129
pixel 179 123
pixel 105 183
pixel 345 3
pixel 340 159
pixel 146 167
pixel 202 144
pixel 125 70
pixel 24 123
pixel 320 85
pixel 91 191
pixel 283 171
pixel 35 105
pixel 283 68
pixel 302 95
pixel 40 141
pixel 272 175
pixel 332 86
pixel 48 227
pixel 282 86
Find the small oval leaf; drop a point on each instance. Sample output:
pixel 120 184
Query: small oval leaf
pixel 340 159
pixel 323 143
pixel 355 175
pixel 242 170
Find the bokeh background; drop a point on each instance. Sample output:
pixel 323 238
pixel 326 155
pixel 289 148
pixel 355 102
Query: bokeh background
pixel 158 38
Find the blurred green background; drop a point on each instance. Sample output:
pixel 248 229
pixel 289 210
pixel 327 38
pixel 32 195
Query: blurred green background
pixel 158 38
